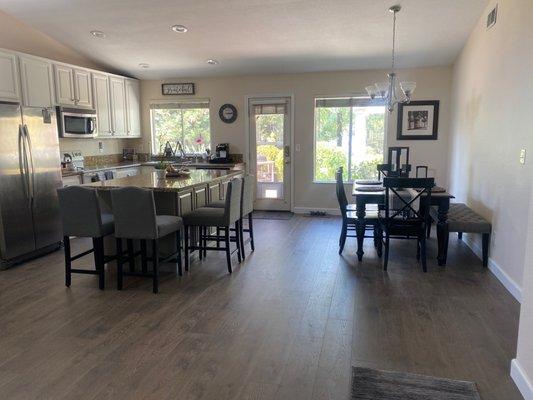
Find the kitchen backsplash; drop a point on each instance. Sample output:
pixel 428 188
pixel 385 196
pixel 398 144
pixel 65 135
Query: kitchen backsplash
pixel 90 147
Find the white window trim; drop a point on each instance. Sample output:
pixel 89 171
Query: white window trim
pixel 187 100
pixel 353 95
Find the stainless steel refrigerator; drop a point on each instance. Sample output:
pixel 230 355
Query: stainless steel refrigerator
pixel 29 177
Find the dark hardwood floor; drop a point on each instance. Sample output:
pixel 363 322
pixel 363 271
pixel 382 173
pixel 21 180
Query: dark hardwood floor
pixel 288 324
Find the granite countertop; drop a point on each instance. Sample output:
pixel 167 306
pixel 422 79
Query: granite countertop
pixel 154 182
pixel 131 164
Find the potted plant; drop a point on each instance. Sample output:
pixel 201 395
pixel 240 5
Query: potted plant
pixel 161 169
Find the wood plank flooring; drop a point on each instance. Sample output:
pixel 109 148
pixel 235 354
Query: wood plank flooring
pixel 287 324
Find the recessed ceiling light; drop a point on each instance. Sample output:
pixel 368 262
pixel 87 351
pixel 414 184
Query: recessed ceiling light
pixel 144 65
pixel 179 28
pixel 212 62
pixel 98 34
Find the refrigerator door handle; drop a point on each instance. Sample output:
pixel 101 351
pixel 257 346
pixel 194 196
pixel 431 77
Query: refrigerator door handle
pixel 31 172
pixel 23 162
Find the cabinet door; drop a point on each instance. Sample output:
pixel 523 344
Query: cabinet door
pixel 118 106
pixel 71 180
pixel 133 108
pixel 200 197
pixel 214 191
pixel 82 88
pixel 185 202
pixel 9 82
pixel 37 82
pixel 125 172
pixel 102 103
pixel 64 85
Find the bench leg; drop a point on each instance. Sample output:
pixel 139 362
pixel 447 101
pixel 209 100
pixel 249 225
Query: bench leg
pixel 460 235
pixel 485 249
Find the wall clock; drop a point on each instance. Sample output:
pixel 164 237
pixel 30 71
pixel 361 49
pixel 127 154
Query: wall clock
pixel 177 88
pixel 228 113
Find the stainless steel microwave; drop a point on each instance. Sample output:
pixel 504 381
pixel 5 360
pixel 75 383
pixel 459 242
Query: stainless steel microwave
pixel 76 122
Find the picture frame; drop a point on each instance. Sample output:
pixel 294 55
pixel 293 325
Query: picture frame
pixel 178 89
pixel 418 120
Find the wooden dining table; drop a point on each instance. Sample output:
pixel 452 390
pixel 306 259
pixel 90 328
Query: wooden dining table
pixel 439 199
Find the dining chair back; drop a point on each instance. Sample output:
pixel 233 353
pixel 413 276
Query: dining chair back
pixel 406 212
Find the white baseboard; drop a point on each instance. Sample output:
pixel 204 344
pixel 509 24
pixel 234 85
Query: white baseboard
pixel 498 271
pixel 306 210
pixel 521 380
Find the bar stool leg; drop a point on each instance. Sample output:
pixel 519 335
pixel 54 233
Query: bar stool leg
pixel 200 242
pixel 206 229
pixel 178 240
pixel 251 229
pixel 228 253
pixel 68 263
pixel 238 241
pixel 131 257
pixel 186 243
pixel 241 239
pixel 98 245
pixel 120 275
pixel 155 256
pixel 144 255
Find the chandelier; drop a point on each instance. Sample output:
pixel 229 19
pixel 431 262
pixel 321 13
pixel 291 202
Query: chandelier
pixel 387 90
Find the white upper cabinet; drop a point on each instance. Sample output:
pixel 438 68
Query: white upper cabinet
pixel 118 106
pixel 73 86
pixel 64 77
pixel 37 82
pixel 133 103
pixel 82 88
pixel 9 81
pixel 102 103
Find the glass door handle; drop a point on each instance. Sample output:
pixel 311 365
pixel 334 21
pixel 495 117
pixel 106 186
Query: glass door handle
pixel 287 154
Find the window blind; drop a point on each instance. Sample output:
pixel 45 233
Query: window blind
pixel 348 102
pixel 261 109
pixel 181 105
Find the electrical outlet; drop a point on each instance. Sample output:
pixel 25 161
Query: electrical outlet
pixel 297 147
pixel 522 156
pixel 101 147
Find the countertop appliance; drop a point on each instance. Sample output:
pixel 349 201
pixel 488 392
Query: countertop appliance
pixel 30 174
pixel 76 123
pixel 75 159
pixel 221 154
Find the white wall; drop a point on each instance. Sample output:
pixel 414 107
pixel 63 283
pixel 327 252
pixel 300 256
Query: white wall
pixel 492 96
pixel 433 84
pixel 491 122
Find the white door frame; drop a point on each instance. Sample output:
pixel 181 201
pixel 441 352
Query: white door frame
pixel 247 99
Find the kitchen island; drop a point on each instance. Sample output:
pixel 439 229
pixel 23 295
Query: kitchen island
pixel 173 196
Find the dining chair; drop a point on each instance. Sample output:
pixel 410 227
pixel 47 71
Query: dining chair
pixel 349 217
pixel 405 215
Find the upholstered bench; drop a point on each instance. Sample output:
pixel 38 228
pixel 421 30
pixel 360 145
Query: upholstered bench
pixel 461 219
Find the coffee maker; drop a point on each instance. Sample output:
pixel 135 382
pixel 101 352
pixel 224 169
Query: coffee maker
pixel 221 154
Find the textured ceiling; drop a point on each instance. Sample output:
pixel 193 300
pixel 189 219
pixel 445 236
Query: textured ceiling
pixel 253 36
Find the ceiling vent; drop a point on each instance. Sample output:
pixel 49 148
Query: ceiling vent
pixel 492 17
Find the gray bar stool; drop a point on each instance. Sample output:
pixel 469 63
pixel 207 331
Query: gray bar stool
pixel 221 218
pixel 247 208
pixel 136 218
pixel 81 216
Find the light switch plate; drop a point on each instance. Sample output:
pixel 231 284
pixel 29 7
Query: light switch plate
pixel 297 147
pixel 522 156
pixel 101 147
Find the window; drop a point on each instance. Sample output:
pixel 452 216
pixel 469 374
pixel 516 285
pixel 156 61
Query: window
pixel 187 123
pixel 349 133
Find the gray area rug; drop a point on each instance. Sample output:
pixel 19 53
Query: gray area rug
pixel 373 384
pixel 280 215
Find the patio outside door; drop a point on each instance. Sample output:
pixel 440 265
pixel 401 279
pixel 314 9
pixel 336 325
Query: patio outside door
pixel 270 153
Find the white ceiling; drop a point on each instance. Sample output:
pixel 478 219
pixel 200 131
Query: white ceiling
pixel 253 36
